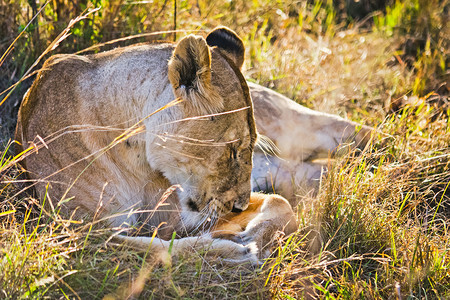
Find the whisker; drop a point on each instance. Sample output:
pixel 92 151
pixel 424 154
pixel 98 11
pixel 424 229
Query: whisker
pixel 193 141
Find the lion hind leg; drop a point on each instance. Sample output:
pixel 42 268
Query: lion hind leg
pixel 288 178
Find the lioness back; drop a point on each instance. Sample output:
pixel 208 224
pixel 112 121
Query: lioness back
pixel 81 106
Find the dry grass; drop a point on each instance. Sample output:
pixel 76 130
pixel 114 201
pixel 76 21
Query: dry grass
pixel 382 221
pixel 379 225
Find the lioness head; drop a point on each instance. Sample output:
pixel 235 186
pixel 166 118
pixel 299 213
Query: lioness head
pixel 210 152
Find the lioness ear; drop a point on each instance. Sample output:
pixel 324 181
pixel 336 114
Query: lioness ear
pixel 190 75
pixel 227 40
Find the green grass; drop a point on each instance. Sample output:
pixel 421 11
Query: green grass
pixel 379 224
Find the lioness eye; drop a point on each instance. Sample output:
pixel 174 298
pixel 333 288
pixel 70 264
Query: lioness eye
pixel 233 153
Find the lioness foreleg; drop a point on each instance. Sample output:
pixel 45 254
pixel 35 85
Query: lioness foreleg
pixel 259 224
pixel 226 250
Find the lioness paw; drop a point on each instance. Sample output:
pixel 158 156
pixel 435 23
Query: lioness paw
pixel 267 217
pixel 261 236
pixel 232 252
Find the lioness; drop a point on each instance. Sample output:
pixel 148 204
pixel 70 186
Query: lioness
pixel 80 107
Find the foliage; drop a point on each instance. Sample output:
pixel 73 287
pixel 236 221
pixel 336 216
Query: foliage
pixel 423 27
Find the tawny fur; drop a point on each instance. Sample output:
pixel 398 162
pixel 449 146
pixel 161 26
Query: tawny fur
pixel 254 229
pixel 81 105
pixel 265 216
pixel 305 139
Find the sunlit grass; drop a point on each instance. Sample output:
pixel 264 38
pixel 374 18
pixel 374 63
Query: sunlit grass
pixel 381 220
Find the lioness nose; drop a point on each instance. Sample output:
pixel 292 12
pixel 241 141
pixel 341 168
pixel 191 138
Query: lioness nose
pixel 241 203
pixel 236 209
